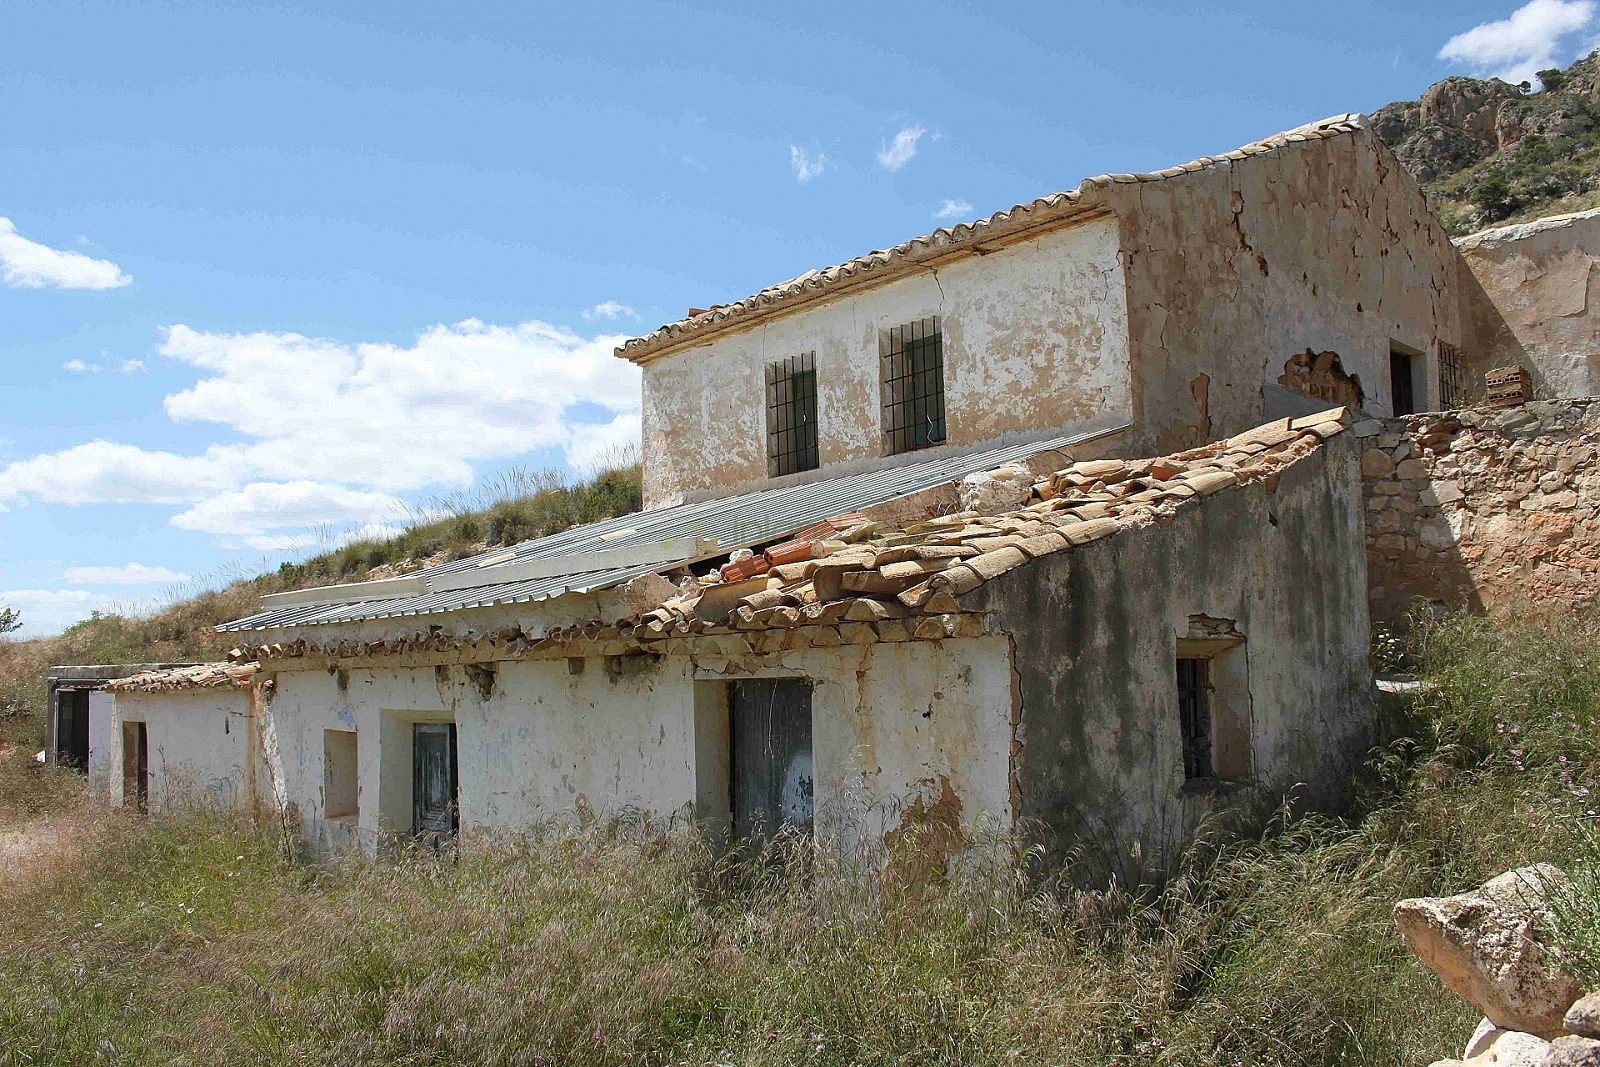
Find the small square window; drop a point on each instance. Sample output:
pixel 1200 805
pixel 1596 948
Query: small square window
pixel 1194 716
pixel 792 415
pixel 913 387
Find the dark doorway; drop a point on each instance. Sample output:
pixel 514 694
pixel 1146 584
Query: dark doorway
pixel 1403 381
pixel 135 766
pixel 72 728
pixel 434 781
pixel 1194 716
pixel 770 776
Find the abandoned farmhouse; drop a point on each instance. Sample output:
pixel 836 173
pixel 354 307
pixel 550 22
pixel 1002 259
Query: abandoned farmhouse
pixel 1074 519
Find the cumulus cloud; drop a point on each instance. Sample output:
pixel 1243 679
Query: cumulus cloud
pixel 610 309
pixel 901 148
pixel 953 209
pixel 78 366
pixel 325 432
pixel 104 472
pixel 1536 36
pixel 807 164
pixel 26 264
pixel 127 574
pixel 131 366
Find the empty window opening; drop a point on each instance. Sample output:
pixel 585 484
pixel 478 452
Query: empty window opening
pixel 435 782
pixel 1403 392
pixel 913 386
pixel 1452 377
pixel 340 790
pixel 1194 716
pixel 72 728
pixel 792 415
pixel 770 772
pixel 135 766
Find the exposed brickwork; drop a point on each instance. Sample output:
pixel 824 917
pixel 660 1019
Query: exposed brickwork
pixel 1482 507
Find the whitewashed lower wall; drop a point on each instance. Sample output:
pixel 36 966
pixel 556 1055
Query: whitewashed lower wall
pixel 199 744
pixel 890 722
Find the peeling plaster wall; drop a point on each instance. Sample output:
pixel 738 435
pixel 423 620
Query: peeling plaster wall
pixel 1035 341
pixel 1232 271
pixel 199 744
pixel 1541 278
pixel 888 721
pixel 1096 633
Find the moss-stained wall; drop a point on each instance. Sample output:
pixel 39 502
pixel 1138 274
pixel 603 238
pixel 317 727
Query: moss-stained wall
pixel 1095 634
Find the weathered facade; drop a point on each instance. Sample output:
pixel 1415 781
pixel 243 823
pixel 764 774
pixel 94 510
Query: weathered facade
pixel 1010 670
pixel 1186 305
pixel 1536 304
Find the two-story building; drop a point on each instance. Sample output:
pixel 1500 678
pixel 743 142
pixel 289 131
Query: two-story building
pixel 897 565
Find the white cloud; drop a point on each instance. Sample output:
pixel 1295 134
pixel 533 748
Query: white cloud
pixel 610 309
pixel 328 432
pixel 127 574
pixel 953 209
pixel 49 611
pixel 272 506
pixel 807 164
pixel 26 264
pixel 899 151
pixel 596 445
pixel 131 366
pixel 1534 37
pixel 103 472
pixel 78 366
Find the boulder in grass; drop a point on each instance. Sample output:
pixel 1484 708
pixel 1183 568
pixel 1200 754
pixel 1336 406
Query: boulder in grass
pixel 1488 946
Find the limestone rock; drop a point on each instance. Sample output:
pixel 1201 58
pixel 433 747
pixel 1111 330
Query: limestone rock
pixel 1583 1018
pixel 1505 1048
pixel 998 491
pixel 1573 1052
pixel 1485 945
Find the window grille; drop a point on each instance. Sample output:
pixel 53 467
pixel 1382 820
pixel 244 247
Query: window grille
pixel 792 415
pixel 1194 716
pixel 1452 378
pixel 913 387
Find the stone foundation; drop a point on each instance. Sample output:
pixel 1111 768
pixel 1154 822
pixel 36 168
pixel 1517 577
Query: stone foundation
pixel 1473 509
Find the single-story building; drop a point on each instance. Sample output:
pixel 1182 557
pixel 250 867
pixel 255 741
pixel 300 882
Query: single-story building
pixel 1105 651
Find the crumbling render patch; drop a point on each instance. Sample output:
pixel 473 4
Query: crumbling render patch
pixel 1322 375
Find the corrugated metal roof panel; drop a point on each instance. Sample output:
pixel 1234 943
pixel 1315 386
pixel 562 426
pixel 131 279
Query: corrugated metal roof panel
pixel 736 522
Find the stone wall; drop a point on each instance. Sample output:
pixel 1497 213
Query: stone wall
pixel 1479 508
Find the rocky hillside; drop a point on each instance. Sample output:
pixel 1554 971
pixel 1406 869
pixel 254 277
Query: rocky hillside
pixel 1489 153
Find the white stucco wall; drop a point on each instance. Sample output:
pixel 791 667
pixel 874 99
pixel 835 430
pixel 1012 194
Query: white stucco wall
pixel 1035 341
pixel 198 740
pixel 102 726
pixel 888 721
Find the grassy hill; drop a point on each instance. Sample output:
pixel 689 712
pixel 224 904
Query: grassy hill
pixel 1489 153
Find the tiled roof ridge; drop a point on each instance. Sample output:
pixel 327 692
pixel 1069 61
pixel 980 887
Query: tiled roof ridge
pixel 1018 218
pixel 198 676
pixel 849 582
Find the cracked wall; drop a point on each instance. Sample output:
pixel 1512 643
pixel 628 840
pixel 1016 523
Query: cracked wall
pixel 1100 760
pixel 1035 341
pixel 1323 246
pixel 1541 278
pixel 893 722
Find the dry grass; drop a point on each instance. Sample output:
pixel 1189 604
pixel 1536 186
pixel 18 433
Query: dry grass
pixel 190 939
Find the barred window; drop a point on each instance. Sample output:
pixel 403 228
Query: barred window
pixel 792 415
pixel 1452 378
pixel 913 387
pixel 1194 716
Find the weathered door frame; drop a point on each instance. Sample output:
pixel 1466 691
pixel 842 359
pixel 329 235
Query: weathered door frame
pixel 778 796
pixel 435 826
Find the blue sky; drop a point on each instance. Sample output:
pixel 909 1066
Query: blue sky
pixel 273 273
